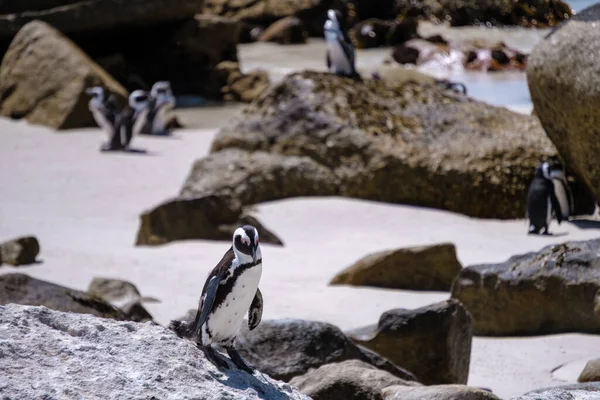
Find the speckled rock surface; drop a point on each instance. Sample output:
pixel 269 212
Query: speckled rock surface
pixel 582 391
pixel 551 291
pixel 54 355
pixel 317 134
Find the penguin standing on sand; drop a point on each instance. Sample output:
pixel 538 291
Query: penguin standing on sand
pixel 542 200
pixel 340 51
pixel 161 102
pixel 562 190
pixel 130 121
pixel 106 110
pixel 230 291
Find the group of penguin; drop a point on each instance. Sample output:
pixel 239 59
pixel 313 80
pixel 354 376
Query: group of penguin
pixel 144 113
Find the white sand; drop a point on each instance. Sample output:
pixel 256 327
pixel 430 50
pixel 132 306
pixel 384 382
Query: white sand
pixel 84 207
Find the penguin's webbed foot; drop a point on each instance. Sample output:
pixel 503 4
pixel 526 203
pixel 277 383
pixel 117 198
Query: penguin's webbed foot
pixel 214 357
pixel 238 360
pixel 109 147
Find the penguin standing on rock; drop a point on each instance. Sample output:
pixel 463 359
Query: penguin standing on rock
pixel 340 51
pixel 543 198
pixel 161 102
pixel 230 291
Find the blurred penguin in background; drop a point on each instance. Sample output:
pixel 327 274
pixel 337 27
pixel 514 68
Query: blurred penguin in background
pixel 340 51
pixel 161 102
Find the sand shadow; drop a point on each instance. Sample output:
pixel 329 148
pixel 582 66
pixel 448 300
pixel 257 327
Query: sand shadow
pixel 585 223
pixel 550 234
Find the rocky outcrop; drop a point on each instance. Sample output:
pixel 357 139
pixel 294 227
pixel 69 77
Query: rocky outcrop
pixel 238 86
pixel 565 90
pixel 123 295
pixel 582 391
pixel 82 356
pixel 22 289
pixel 554 290
pixel 475 55
pixel 317 134
pixel 437 392
pixel 312 13
pixel 531 13
pixel 19 251
pixel 203 217
pixel 347 380
pixel 433 342
pixel 414 268
pixel 43 78
pixel 591 372
pixel 287 348
pixel 71 16
pixel 377 33
pixel 289 30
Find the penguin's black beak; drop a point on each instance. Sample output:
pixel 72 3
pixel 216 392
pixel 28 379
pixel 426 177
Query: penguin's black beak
pixel 253 253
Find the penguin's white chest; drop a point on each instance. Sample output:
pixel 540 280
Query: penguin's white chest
pixel 339 61
pixel 225 322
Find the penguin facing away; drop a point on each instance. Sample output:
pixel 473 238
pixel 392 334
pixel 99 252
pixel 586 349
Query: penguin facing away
pixel 340 51
pixel 230 291
pixel 161 102
pixel 542 202
pixel 105 110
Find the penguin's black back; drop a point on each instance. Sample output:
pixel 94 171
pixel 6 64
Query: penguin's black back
pixel 540 191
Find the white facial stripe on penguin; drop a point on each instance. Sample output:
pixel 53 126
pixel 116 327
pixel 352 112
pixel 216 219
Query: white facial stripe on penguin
pixel 243 236
pixel 255 237
pixel 546 170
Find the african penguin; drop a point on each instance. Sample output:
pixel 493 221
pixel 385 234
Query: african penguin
pixel 542 203
pixel 340 51
pixel 561 189
pixel 161 102
pixel 230 291
pixel 132 119
pixel 106 110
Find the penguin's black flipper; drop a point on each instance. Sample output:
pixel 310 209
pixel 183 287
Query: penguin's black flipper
pixel 255 311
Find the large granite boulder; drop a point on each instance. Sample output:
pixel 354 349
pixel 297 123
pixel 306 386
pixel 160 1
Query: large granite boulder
pixel 433 342
pixel 71 16
pixel 565 90
pixel 554 290
pixel 22 289
pixel 43 78
pixel 288 30
pixel 123 295
pixel 287 348
pixel 436 392
pixel 582 391
pixel 49 354
pixel 528 13
pixel 312 13
pixel 414 268
pixel 19 251
pixel 317 134
pixel 591 371
pixel 347 380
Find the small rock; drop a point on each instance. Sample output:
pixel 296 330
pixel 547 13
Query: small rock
pixel 346 380
pixel 239 86
pixel 591 372
pixel 415 268
pixel 121 294
pixel 550 291
pixel 433 342
pixel 48 354
pixel 437 392
pixel 376 33
pixel 287 348
pixel 582 391
pixel 43 78
pixel 289 30
pixel 22 289
pixel 20 251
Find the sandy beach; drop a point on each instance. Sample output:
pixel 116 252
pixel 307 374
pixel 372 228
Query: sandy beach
pixel 84 207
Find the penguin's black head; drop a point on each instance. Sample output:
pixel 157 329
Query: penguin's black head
pixel 245 242
pixel 138 99
pixel 336 20
pixel 96 92
pixel 543 170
